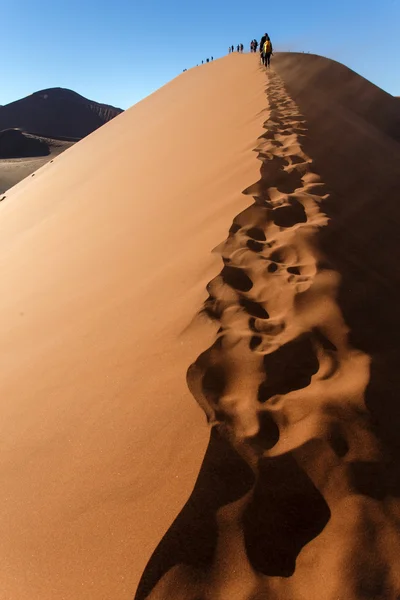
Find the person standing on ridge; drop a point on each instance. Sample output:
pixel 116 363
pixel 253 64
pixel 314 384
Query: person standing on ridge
pixel 267 51
pixel 252 46
pixel 255 45
pixel 262 42
pixel 241 47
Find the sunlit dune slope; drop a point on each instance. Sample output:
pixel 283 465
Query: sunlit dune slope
pixel 105 255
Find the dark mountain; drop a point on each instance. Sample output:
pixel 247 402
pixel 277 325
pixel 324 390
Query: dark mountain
pixel 56 113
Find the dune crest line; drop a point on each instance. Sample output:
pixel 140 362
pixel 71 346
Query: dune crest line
pixel 285 392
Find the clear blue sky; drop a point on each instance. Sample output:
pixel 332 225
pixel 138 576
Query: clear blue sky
pixel 119 52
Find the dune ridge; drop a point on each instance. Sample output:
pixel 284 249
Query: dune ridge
pixel 284 390
pixel 108 464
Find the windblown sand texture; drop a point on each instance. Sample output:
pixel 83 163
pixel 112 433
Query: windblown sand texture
pixel 117 324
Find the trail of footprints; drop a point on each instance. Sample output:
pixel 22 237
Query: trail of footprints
pixel 283 386
pixel 279 375
pixel 275 301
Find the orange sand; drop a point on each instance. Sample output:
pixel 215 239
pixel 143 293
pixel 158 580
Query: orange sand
pixel 105 255
pixel 105 261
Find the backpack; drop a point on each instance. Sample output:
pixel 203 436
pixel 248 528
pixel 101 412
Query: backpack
pixel 268 47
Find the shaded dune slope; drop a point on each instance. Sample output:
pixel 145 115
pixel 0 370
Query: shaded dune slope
pixel 298 493
pixel 338 88
pixel 56 112
pixel 16 144
pixel 360 163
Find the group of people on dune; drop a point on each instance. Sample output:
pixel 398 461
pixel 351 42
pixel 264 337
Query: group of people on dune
pixel 265 46
pixel 239 48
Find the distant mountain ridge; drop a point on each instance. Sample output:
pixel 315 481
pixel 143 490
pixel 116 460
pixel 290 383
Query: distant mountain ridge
pixel 56 112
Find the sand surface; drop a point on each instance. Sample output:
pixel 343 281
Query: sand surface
pixel 120 329
pixel 105 256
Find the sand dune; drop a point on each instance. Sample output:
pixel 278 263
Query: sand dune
pixel 286 333
pixel 105 255
pixel 300 379
pixel 15 143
